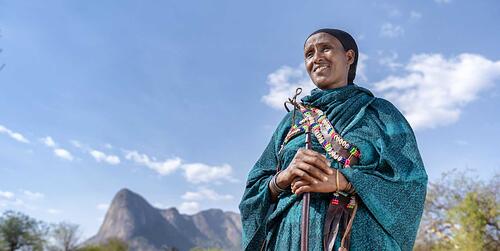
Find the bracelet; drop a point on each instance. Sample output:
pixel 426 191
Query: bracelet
pixel 274 188
pixel 337 178
pixel 350 188
pixel 273 184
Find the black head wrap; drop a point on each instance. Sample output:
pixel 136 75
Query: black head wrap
pixel 348 43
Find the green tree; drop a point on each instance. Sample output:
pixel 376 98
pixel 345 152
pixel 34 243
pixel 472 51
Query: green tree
pixel 65 236
pixel 461 213
pixel 18 230
pixel 3 245
pixel 115 244
pixel 112 244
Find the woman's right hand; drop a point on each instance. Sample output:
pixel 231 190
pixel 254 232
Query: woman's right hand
pixel 306 165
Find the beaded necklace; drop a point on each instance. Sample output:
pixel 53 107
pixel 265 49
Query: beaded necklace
pixel 321 127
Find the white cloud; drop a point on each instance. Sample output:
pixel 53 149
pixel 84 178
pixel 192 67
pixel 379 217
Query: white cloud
pixel 102 206
pixel 434 89
pixel 389 9
pixel 389 60
pixel 159 205
pixel 161 167
pixel 100 156
pixel 76 143
pixel 48 141
pixel 393 12
pixel 19 137
pixel 415 15
pixel 33 195
pixel 9 199
pixel 19 202
pixel 283 83
pixel 189 207
pixel 54 211
pixel 391 30
pixel 191 204
pixel 194 172
pixel 202 173
pixel 14 135
pixel 361 68
pixel 206 194
pixel 63 154
pixel 59 152
pixel 6 194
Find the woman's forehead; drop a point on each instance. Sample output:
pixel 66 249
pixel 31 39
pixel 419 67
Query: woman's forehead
pixel 320 38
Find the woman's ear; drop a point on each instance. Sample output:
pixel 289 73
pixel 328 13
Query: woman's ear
pixel 350 54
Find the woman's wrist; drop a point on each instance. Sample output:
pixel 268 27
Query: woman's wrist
pixel 341 183
pixel 349 189
pixel 281 182
pixel 275 189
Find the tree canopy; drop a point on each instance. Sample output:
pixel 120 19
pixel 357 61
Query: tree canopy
pixel 18 230
pixel 461 213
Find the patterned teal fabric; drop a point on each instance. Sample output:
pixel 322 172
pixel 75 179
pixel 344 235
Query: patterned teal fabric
pixel 390 178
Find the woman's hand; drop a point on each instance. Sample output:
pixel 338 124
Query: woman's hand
pixel 326 186
pixel 308 166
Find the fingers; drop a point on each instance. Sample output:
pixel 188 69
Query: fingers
pixel 303 189
pixel 304 172
pixel 315 159
pixel 294 180
pixel 312 153
pixel 298 184
pixel 312 171
pixel 310 166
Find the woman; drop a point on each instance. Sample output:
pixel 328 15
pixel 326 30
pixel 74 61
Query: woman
pixel 388 182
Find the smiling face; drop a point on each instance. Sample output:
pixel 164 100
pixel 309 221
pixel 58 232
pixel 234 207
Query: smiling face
pixel 326 61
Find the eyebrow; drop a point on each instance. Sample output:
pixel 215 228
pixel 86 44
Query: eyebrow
pixel 307 48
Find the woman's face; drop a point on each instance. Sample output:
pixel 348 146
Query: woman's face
pixel 326 61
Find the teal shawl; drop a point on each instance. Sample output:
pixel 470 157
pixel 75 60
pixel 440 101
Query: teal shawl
pixel 390 178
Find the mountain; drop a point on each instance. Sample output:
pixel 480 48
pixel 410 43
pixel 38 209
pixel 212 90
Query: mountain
pixel 146 228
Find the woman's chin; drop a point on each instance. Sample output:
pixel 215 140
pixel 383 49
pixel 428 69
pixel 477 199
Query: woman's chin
pixel 324 84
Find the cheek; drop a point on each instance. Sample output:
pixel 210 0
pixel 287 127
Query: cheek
pixel 308 65
pixel 344 62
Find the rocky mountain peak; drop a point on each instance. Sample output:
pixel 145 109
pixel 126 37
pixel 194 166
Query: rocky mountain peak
pixel 131 218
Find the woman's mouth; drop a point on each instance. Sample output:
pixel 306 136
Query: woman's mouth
pixel 320 68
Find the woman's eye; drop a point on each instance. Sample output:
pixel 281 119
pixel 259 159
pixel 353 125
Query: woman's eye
pixel 309 55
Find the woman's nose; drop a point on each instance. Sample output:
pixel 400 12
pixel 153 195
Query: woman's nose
pixel 318 57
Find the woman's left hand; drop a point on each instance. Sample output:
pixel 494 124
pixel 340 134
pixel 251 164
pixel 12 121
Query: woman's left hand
pixel 323 186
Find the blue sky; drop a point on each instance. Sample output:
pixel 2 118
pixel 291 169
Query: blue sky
pixel 176 100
